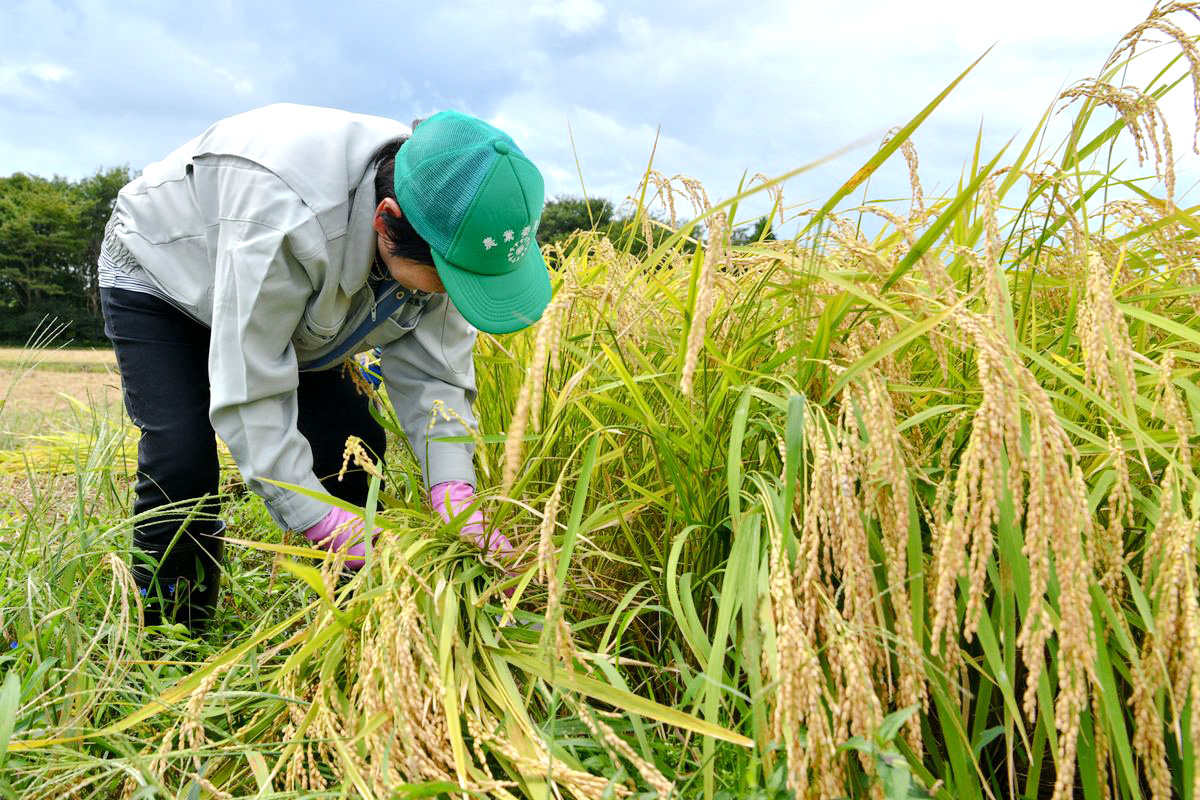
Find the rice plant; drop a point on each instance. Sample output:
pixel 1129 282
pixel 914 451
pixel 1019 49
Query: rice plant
pixel 910 514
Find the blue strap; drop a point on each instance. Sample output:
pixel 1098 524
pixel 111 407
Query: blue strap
pixel 389 298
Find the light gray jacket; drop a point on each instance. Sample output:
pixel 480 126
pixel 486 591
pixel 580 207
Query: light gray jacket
pixel 261 229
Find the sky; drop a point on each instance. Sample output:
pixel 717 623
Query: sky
pixel 588 90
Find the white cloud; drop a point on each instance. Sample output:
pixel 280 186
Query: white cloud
pixel 783 83
pixel 633 29
pixel 51 73
pixel 26 79
pixel 241 86
pixel 575 16
pixel 766 89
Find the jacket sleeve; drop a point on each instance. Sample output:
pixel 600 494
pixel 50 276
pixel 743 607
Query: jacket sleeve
pixel 434 361
pixel 259 297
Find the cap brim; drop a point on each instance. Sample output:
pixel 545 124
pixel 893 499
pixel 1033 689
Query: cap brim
pixel 499 303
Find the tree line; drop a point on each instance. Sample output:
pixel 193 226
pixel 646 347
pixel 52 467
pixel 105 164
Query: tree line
pixel 51 230
pixel 50 235
pixel 566 214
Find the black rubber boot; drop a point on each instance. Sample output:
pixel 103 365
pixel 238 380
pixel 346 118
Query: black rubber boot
pixel 183 584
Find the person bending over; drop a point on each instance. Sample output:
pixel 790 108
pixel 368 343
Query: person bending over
pixel 238 275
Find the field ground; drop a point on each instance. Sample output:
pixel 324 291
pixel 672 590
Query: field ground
pixel 73 359
pixel 37 400
pixel 44 411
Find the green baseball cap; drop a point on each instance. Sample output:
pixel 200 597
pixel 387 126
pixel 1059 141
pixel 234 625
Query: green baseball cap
pixel 473 195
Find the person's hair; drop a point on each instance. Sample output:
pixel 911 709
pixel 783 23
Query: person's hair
pixel 403 239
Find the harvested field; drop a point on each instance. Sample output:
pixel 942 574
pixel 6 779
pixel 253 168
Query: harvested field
pixel 40 401
pixel 42 390
pixel 69 359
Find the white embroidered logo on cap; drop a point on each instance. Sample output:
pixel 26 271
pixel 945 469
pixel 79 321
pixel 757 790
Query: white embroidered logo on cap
pixel 517 250
pixel 489 243
pixel 508 236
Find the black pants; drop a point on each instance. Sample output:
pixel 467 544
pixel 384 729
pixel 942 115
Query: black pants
pixel 162 355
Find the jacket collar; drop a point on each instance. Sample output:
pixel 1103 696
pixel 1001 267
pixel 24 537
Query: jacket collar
pixel 360 235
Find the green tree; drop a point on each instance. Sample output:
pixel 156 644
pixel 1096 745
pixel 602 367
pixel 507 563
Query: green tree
pixel 40 240
pixel 50 236
pixel 758 231
pixel 97 194
pixel 566 214
pixel 628 229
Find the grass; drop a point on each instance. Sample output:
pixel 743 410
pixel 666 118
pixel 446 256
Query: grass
pixel 923 524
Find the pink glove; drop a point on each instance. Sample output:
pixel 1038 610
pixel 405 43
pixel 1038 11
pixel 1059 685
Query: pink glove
pixel 336 529
pixel 451 497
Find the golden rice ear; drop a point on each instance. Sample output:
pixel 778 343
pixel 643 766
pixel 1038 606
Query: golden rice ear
pixel 356 451
pixel 800 701
pixel 529 399
pixel 916 211
pixel 1046 481
pixel 713 256
pixel 556 627
pixel 1144 120
pixel 1104 334
pixel 1107 544
pixel 1158 21
pixel 1167 663
pixel 615 744
pixel 1170 409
